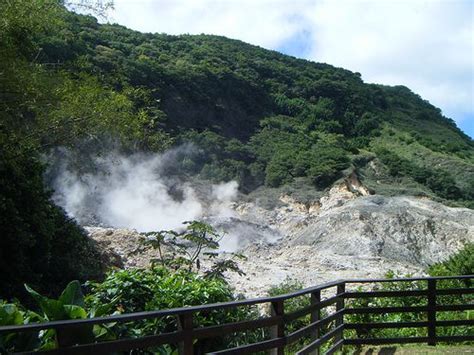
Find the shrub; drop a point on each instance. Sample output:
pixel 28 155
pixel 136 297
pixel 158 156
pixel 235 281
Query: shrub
pixel 461 263
pixel 159 288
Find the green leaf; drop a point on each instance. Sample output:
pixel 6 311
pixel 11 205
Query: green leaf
pixel 53 309
pixel 101 310
pixel 72 294
pixel 38 298
pixel 75 312
pixel 100 332
pixel 10 315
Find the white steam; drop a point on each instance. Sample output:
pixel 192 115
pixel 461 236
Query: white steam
pixel 137 192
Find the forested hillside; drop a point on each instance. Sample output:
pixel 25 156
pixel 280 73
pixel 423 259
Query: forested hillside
pixel 262 117
pixel 257 116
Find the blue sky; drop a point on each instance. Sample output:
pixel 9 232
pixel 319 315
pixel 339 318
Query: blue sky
pixel 426 45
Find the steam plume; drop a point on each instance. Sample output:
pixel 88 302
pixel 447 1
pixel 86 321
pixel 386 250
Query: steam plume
pixel 137 192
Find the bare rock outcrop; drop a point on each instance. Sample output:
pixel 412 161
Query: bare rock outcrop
pixel 404 229
pixel 351 235
pixel 123 248
pixel 348 233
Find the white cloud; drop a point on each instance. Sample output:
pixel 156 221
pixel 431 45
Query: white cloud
pixel 425 45
pixel 266 23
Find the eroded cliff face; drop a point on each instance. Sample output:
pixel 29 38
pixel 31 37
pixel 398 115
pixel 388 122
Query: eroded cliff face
pixel 350 234
pixel 347 233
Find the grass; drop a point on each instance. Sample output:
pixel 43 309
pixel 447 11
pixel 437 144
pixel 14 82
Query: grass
pixel 415 350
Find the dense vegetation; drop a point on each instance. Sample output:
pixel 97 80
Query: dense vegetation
pixel 38 243
pixel 171 282
pixel 257 116
pixel 160 287
pixel 261 117
pixel 254 115
pixel 126 291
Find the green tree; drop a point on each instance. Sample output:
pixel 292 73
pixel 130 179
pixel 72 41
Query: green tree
pixel 39 244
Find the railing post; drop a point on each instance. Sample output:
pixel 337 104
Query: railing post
pixel 185 323
pixel 341 288
pixel 431 311
pixel 277 331
pixel 315 316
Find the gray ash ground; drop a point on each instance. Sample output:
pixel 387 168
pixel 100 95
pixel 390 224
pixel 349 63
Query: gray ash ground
pixel 341 235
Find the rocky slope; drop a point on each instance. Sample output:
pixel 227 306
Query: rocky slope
pixel 345 234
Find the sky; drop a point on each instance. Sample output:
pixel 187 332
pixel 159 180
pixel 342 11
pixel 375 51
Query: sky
pixel 426 45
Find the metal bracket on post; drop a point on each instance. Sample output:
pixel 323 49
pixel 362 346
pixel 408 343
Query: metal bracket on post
pixel 315 316
pixel 432 312
pixel 277 331
pixel 185 323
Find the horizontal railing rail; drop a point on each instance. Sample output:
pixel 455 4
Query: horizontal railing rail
pixel 318 331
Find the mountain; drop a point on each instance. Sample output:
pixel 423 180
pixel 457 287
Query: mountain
pixel 269 121
pixel 265 118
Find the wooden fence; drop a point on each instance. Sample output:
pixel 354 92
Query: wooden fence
pixel 328 305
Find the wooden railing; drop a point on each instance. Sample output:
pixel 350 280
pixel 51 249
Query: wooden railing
pixel 335 298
